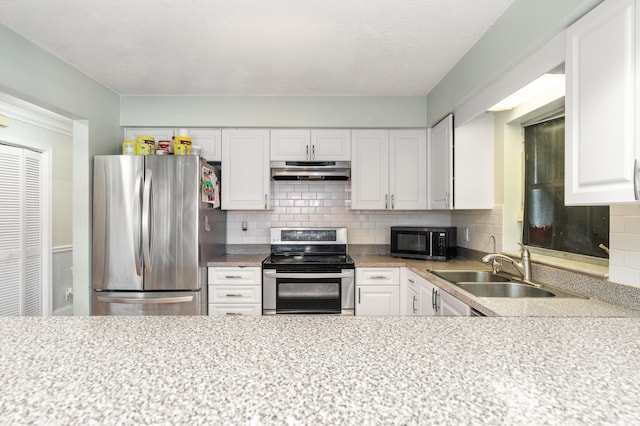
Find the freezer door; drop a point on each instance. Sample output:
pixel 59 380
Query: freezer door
pixel 142 303
pixel 170 218
pixel 117 195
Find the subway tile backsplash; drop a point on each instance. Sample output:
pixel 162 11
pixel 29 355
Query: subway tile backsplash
pixel 317 204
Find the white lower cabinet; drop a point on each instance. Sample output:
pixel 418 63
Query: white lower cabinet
pixel 409 293
pixel 451 306
pixel 426 297
pixel 377 291
pixel 433 301
pixel 235 291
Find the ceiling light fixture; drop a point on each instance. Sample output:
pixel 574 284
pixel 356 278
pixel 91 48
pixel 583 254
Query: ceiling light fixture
pixel 538 86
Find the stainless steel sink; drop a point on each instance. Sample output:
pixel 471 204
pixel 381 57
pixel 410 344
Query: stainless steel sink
pixel 482 283
pixel 471 276
pixel 504 290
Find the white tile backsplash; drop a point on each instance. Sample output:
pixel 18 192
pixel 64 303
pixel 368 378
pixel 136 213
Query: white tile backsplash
pixel 624 241
pixel 481 224
pixel 299 204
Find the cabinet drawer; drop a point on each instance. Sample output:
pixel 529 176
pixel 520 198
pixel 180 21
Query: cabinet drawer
pixel 227 309
pixel 235 294
pixel 378 276
pixel 235 276
pixel 412 281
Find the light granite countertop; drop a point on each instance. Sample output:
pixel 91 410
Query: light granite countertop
pixel 319 370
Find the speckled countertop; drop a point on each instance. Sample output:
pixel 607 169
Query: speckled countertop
pixel 319 370
pixel 243 260
pixel 488 306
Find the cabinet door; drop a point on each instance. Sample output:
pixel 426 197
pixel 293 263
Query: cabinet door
pixel 427 298
pixel 290 145
pixel 602 136
pixel 473 160
pixel 370 169
pixel 409 292
pixel 441 165
pixel 330 144
pixel 378 300
pixel 451 306
pixel 159 134
pixel 411 303
pixel 210 142
pixel 245 169
pixel 408 169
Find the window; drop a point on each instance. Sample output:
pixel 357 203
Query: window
pixel 548 223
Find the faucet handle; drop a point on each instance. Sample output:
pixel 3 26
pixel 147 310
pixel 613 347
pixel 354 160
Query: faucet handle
pixel 524 252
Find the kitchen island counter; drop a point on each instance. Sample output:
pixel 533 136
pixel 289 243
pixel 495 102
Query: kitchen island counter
pixel 319 370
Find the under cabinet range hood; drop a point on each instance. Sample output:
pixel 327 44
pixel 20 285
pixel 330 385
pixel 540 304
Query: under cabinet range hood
pixel 310 170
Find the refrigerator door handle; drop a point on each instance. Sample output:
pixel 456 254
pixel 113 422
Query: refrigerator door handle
pixel 136 224
pixel 146 223
pixel 139 301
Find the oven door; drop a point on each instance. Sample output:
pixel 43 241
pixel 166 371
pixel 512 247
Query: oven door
pixel 308 293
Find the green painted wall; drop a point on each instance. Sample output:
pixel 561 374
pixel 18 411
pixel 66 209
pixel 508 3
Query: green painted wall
pixel 525 27
pixel 30 73
pixel 274 111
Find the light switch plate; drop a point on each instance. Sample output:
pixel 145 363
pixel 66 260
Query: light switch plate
pixel 4 121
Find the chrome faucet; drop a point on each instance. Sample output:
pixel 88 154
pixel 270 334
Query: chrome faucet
pixel 523 267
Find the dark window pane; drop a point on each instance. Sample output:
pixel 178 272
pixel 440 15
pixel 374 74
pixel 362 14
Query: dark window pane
pixel 548 223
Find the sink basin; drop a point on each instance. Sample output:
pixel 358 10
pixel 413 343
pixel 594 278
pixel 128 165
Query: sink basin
pixel 471 276
pixel 508 289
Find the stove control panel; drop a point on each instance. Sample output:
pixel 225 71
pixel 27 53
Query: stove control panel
pixel 308 235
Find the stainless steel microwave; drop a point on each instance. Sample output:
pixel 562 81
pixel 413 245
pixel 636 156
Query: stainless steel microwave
pixel 426 243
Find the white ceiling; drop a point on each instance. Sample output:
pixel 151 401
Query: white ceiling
pixel 257 47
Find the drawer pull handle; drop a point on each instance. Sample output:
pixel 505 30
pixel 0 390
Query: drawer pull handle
pixel 378 277
pixel 412 281
pixel 233 277
pixel 234 295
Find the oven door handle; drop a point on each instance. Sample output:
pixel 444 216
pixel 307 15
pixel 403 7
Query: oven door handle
pixel 311 275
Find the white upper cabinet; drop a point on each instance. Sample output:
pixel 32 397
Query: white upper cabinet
pixel 441 165
pixel 388 169
pixel 245 169
pixel 330 144
pixel 408 169
pixel 290 144
pixel 461 167
pixel 310 145
pixel 210 141
pixel 370 169
pixel 159 134
pixel 602 144
pixel 473 164
pixel 207 139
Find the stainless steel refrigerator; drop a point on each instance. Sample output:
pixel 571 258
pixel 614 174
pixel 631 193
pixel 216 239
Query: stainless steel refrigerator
pixel 156 222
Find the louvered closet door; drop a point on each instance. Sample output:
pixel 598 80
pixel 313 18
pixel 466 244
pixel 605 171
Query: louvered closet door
pixel 20 232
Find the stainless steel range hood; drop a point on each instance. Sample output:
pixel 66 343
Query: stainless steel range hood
pixel 310 170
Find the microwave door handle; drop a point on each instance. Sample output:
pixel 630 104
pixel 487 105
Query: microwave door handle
pixel 430 243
